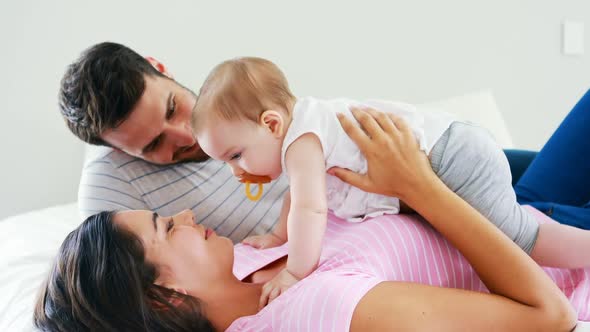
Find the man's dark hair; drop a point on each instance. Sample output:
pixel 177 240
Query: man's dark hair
pixel 99 90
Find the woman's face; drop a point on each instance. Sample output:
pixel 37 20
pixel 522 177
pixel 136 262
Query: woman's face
pixel 188 257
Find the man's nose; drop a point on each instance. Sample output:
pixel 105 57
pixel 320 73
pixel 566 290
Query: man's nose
pixel 182 135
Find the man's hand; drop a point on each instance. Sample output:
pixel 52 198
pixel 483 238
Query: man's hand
pixel 275 287
pixel 265 241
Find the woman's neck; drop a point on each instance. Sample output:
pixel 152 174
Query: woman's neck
pixel 232 301
pixel 239 298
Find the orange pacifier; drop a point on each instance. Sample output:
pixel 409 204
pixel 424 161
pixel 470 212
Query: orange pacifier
pixel 259 179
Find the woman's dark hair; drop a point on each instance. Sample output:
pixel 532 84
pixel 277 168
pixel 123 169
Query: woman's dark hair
pixel 100 281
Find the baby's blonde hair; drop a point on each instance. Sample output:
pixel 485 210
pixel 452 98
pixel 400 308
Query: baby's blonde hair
pixel 242 88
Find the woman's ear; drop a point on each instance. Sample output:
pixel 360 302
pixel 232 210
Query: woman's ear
pixel 159 66
pixel 166 278
pixel 274 121
pixel 174 300
pixel 180 290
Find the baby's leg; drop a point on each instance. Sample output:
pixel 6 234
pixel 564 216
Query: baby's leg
pixel 562 246
pixel 471 163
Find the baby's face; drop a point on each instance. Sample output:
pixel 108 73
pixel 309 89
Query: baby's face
pixel 245 146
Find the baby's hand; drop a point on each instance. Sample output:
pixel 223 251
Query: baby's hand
pixel 275 287
pixel 269 240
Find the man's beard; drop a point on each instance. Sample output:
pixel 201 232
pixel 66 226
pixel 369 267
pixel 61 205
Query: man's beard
pixel 199 155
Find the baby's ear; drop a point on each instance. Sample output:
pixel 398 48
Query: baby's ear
pixel 274 121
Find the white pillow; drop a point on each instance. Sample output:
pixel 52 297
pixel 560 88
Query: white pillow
pixel 477 107
pixel 28 244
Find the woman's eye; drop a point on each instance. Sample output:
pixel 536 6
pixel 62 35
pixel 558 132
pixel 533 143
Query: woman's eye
pixel 236 156
pixel 169 225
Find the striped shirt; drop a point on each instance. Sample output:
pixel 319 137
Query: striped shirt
pixel 357 256
pixel 113 180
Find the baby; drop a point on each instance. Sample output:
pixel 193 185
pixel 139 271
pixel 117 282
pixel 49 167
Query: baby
pixel 247 116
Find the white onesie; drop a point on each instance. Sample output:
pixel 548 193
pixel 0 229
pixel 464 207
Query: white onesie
pixel 311 115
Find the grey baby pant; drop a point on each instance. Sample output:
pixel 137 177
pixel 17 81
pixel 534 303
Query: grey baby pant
pixel 469 161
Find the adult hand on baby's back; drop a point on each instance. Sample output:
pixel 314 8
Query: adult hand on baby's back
pixel 395 164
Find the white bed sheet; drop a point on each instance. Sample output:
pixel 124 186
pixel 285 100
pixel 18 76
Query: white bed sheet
pixel 28 243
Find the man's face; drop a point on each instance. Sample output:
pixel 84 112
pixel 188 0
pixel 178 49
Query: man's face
pixel 158 129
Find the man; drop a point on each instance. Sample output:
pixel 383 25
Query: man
pixel 131 105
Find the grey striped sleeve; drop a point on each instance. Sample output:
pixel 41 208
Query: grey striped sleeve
pixel 103 187
pixel 116 181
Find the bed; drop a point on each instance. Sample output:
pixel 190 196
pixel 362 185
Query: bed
pixel 29 241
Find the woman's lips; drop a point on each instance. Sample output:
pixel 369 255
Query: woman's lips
pixel 208 233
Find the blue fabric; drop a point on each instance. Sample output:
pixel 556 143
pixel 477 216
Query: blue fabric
pixel 519 161
pixel 557 181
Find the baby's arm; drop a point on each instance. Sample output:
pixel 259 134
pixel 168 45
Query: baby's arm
pixel 307 215
pixel 278 236
pixel 280 230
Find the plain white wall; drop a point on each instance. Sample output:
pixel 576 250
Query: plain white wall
pixel 410 50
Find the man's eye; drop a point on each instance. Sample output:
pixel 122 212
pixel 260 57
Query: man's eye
pixel 169 225
pixel 171 110
pixel 236 156
pixel 155 144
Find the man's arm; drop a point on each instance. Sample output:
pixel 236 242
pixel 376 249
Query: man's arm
pixel 104 187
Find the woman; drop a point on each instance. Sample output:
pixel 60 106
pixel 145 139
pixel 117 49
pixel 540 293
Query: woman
pixel 135 270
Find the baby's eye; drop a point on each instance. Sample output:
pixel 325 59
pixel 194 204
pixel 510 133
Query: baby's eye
pixel 169 225
pixel 236 156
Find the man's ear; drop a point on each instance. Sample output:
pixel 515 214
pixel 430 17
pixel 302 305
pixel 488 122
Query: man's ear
pixel 274 121
pixel 159 66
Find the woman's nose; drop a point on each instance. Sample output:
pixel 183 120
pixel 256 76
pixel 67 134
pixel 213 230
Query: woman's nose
pixel 187 217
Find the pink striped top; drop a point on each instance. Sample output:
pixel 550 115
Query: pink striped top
pixel 357 256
